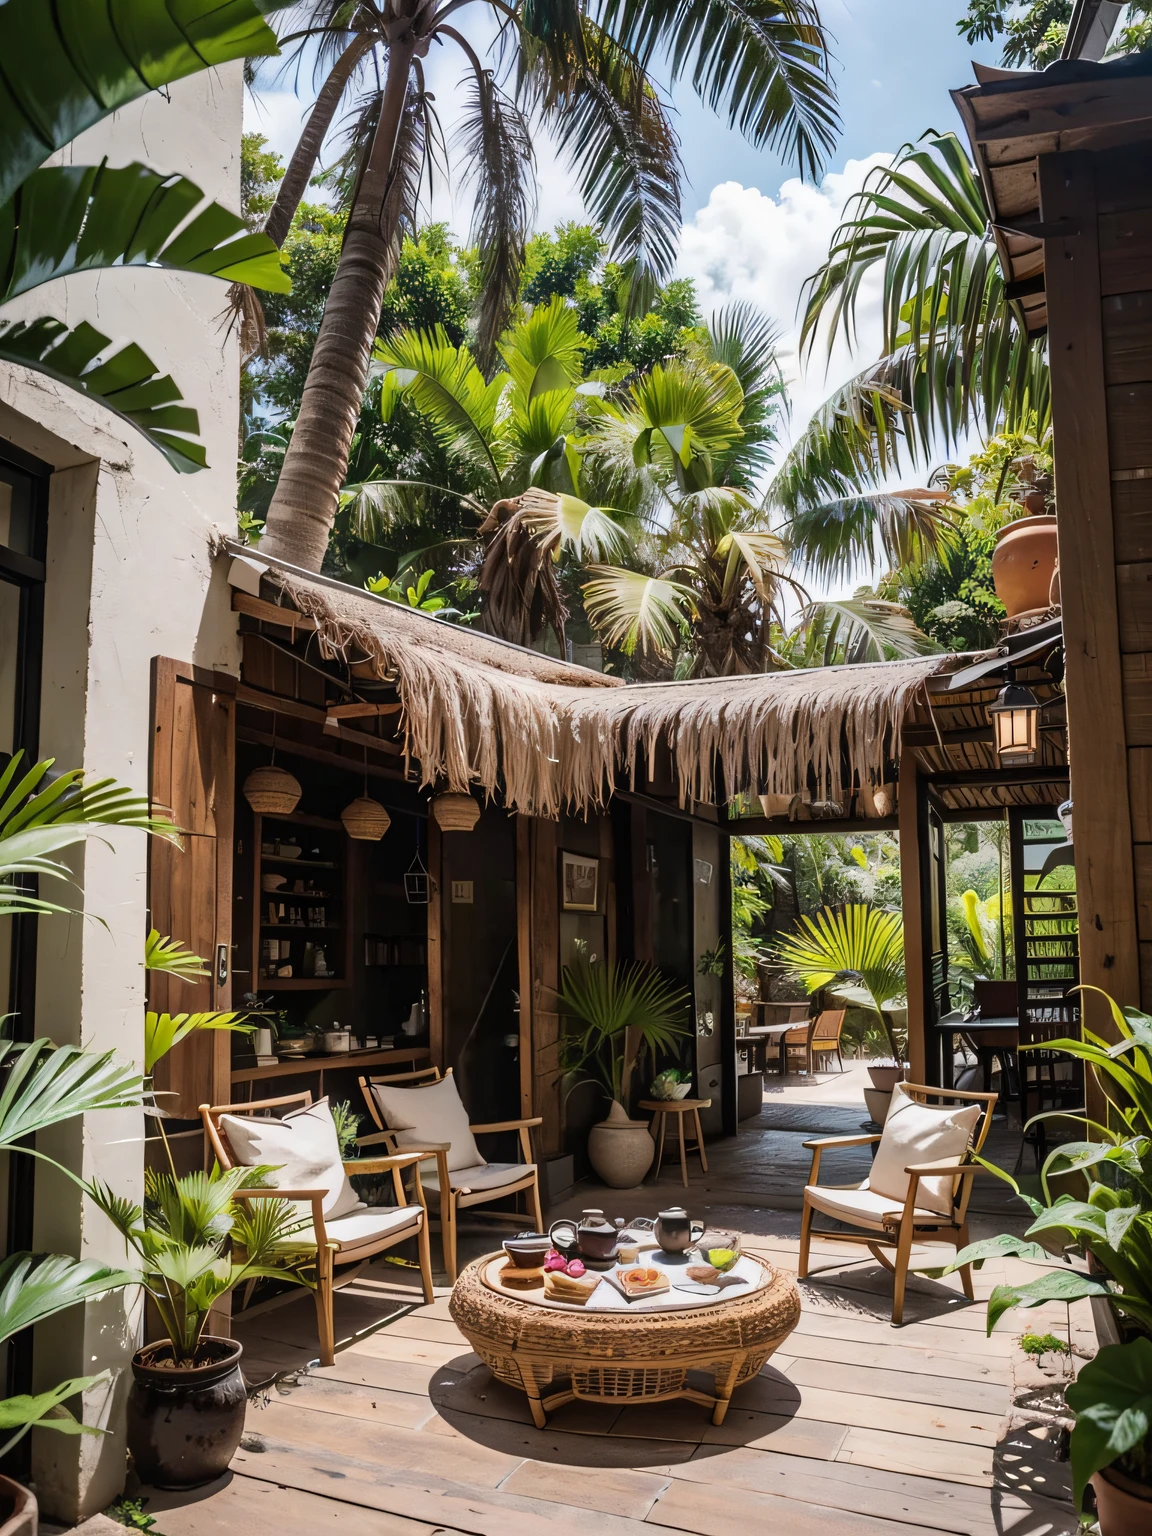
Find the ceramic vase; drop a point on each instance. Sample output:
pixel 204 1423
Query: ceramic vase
pixel 620 1150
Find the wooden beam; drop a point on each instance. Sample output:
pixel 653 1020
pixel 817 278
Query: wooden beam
pixel 1109 954
pixel 435 948
pixel 911 901
pixel 776 826
pixel 287 747
pixel 275 703
pixel 993 776
pixel 361 711
pixel 272 613
pixel 524 958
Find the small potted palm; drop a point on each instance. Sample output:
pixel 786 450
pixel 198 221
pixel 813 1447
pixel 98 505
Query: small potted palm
pixel 617 1013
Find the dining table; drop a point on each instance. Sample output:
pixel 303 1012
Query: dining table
pixel 761 1036
pixel 987 1038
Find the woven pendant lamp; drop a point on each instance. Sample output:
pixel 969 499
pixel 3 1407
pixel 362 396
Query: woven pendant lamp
pixel 455 813
pixel 272 791
pixel 364 818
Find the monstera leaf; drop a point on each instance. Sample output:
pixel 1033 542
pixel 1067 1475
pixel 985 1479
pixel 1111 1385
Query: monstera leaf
pixel 74 218
pixel 69 63
pixel 126 381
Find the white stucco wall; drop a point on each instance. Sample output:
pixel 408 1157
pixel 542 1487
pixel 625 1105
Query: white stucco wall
pixel 130 577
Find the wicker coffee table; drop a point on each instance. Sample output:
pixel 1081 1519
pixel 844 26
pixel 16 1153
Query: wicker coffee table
pixel 622 1356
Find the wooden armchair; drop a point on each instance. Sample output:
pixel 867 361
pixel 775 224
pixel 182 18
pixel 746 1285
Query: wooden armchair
pixel 820 1036
pixel 910 1197
pixel 445 1187
pixel 351 1239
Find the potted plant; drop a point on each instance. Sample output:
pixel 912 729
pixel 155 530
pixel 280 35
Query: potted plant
pixel 1025 560
pixel 861 947
pixel 620 1011
pixel 195 1239
pixel 1100 1247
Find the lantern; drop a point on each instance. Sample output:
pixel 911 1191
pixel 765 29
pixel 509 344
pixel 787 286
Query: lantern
pixel 365 819
pixel 1016 724
pixel 272 791
pixel 455 813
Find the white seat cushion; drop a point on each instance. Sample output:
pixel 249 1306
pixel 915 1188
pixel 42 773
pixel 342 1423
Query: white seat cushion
pixel 487 1177
pixel 362 1228
pixel 304 1150
pixel 425 1116
pixel 921 1133
pixel 861 1207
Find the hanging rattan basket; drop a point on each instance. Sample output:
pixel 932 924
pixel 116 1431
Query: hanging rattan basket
pixel 455 813
pixel 272 791
pixel 365 819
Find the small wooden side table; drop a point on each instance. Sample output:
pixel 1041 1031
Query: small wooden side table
pixel 660 1109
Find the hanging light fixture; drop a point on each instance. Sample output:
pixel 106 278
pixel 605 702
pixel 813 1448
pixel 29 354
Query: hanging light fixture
pixel 455 813
pixel 417 881
pixel 364 818
pixel 1015 720
pixel 272 791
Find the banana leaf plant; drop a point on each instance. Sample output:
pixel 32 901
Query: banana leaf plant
pixel 619 1012
pixel 66 68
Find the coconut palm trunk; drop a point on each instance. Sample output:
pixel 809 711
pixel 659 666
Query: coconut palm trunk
pixel 303 507
pixel 303 162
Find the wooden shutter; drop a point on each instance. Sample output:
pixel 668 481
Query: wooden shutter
pixel 190 891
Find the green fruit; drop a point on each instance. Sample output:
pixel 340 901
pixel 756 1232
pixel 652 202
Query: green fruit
pixel 722 1258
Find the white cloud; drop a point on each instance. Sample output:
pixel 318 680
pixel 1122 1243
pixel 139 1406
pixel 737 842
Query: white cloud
pixel 744 245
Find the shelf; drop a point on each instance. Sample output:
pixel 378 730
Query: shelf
pixel 278 858
pixel 341 1060
pixel 300 983
pixel 302 927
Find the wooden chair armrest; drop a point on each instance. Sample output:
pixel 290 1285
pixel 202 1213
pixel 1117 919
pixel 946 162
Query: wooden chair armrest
pixel 507 1125
pixel 429 1149
pixel 380 1164
pixel 376 1138
pixel 941 1170
pixel 840 1141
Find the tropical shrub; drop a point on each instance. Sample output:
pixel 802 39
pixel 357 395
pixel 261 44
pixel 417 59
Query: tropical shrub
pixel 857 945
pixel 618 1012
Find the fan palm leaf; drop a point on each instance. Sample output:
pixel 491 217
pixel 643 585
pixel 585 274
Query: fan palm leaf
pixel 170 957
pixel 46 1083
pixel 448 389
pixel 858 629
pixel 857 943
pixel 162 1031
pixel 634 610
pixel 34 1287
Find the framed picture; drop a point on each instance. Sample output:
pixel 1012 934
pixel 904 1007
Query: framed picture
pixel 579 882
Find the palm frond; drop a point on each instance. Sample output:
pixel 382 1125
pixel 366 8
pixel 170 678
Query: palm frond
pixel 764 64
pixel 883 530
pixel 162 1031
pixel 632 610
pixel 856 943
pixel 858 629
pixel 544 351
pixel 45 1084
pixel 448 388
pixel 170 956
pixel 37 1286
pixel 495 137
pixel 609 119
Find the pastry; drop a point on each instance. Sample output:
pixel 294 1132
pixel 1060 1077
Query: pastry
pixel 643 1281
pixel 561 1287
pixel 703 1274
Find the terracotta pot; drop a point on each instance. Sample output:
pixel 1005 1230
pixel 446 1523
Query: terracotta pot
pixel 1123 1505
pixel 886 1078
pixel 18 1513
pixel 1023 564
pixel 184 1424
pixel 879 1102
pixel 620 1150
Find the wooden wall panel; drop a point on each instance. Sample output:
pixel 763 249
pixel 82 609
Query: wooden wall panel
pixel 1129 425
pixel 1095 430
pixel 545 948
pixel 1137 673
pixel 193 773
pixel 1127 325
pixel 1143 864
pixel 1132 516
pixel 1140 792
pixel 435 944
pixel 1134 605
pixel 1125 250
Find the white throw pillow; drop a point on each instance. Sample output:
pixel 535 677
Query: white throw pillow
pixel 422 1117
pixel 304 1150
pixel 921 1133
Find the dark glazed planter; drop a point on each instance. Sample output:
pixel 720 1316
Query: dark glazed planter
pixel 184 1425
pixel 18 1513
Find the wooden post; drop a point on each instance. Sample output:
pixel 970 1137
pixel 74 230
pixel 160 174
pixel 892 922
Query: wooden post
pixel 435 947
pixel 1097 745
pixel 524 957
pixel 912 903
pixel 729 1108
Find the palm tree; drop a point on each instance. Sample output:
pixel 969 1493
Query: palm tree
pixel 579 68
pixel 956 355
pixel 858 944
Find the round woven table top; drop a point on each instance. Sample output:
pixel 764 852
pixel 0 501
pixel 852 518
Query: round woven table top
pixel 720 1326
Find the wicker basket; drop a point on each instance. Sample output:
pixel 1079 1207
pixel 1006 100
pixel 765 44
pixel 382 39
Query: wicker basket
pixel 272 791
pixel 455 813
pixel 365 819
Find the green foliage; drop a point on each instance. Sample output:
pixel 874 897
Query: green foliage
pixel 131 1512
pixel 1044 1344
pixel 261 171
pixel 347 1123
pixel 1033 30
pixel 858 944
pixel 1112 1401
pixel 170 956
pixel 44 1084
pixel 162 1031
pixel 620 1011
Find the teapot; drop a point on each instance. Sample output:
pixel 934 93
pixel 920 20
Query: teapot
pixel 593 1237
pixel 675 1231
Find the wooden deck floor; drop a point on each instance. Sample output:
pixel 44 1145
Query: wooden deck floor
pixel 854 1427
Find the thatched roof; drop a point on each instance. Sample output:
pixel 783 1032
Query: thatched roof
pixel 548 735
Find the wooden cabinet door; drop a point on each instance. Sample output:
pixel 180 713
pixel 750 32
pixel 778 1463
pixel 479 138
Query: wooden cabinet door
pixel 190 891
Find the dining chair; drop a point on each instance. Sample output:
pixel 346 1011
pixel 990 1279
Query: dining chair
pixel 819 1036
pixel 302 1147
pixel 428 1117
pixel 919 1187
